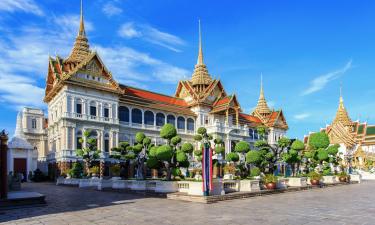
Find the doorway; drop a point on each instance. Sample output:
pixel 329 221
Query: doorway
pixel 20 166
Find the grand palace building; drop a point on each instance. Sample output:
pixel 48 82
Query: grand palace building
pixel 82 95
pixel 356 139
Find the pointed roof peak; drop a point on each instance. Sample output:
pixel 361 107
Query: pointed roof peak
pixel 200 77
pixel 81 48
pixel 262 106
pixel 82 31
pixel 341 114
pixel 200 51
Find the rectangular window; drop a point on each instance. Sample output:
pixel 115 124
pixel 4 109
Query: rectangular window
pixel 106 112
pixel 79 108
pixel 92 111
pixel 33 123
pixel 106 145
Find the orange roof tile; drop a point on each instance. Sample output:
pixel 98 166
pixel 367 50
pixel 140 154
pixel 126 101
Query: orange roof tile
pixel 153 96
pixel 250 118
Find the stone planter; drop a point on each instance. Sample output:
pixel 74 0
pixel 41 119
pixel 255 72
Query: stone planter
pixel 356 177
pixel 228 176
pixel 166 186
pixel 231 185
pixel 91 182
pixel 104 184
pixel 297 182
pixel 282 183
pixel 119 184
pixel 249 185
pixel 329 179
pixel 137 185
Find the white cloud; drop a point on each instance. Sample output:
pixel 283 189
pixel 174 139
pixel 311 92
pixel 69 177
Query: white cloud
pixel 70 24
pixel 301 116
pixel 151 35
pixel 126 63
pixel 28 6
pixel 110 9
pixel 320 82
pixel 127 30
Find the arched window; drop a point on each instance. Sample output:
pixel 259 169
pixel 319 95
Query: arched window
pixel 78 140
pixel 171 119
pixel 106 143
pixel 149 118
pixel 123 113
pixel 136 116
pixel 190 124
pixel 181 123
pixel 160 119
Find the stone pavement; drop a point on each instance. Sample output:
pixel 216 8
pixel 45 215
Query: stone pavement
pixel 350 204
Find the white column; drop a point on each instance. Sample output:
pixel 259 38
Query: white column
pixel 143 118
pixel 66 138
pixel 73 110
pixel 130 117
pixel 74 138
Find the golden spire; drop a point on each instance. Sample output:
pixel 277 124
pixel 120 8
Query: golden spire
pixel 341 114
pixel 201 77
pixel 81 48
pixel 262 107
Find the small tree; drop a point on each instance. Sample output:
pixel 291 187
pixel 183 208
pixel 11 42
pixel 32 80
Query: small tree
pixel 89 151
pixel 171 154
pixel 293 156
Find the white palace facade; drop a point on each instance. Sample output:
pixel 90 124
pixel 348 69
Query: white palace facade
pixel 82 94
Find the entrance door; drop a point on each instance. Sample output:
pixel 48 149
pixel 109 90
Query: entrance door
pixel 20 167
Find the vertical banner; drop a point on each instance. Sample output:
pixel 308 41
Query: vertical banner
pixel 207 169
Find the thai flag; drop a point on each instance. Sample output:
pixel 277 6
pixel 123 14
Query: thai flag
pixel 207 168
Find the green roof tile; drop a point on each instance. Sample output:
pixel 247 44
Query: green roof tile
pixel 360 129
pixel 370 131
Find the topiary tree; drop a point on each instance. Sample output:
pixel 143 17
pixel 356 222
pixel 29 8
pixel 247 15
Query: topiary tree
pixel 89 151
pixel 172 155
pixel 293 156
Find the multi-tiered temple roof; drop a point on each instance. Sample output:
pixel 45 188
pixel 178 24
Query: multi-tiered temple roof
pixel 84 67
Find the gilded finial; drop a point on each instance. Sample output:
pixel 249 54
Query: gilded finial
pixel 200 52
pixel 262 106
pixel 81 31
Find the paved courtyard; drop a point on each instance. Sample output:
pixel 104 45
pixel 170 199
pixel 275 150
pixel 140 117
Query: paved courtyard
pixel 352 204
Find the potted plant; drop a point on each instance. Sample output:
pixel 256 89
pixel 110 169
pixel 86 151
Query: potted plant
pixel 315 178
pixel 343 176
pixel 270 181
pixel 94 171
pixel 115 171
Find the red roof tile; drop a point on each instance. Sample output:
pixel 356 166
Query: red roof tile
pixel 250 118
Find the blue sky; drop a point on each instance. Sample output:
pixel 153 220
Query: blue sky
pixel 304 49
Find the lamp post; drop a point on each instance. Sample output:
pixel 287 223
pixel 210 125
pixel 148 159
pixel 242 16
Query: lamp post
pixel 3 165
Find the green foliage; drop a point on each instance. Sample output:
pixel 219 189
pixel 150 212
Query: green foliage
pixel 327 172
pixel 262 130
pixel 164 153
pixel 137 148
pixel 181 156
pixel 184 164
pixel 269 178
pixel 322 155
pixel 153 163
pixel 242 147
pixel 198 152
pixel 130 156
pixel 124 144
pixel 77 170
pixel 198 137
pixel 139 137
pixel 220 150
pixel 314 175
pixel 333 149
pixel 202 131
pixel 343 174
pixel 153 151
pixel 187 148
pixel 254 172
pixel 232 157
pixel 254 157
pixel 284 142
pixel 176 140
pixel 319 140
pixel 298 145
pixel 176 172
pixel 260 144
pixel 147 141
pixel 168 131
pixel 218 141
pixel 115 170
pixel 89 150
pixel 94 170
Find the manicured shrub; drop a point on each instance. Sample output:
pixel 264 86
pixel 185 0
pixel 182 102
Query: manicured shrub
pixel 168 131
pixel 319 140
pixel 254 157
pixel 153 163
pixel 322 155
pixel 164 153
pixel 242 147
pixel 187 148
pixel 232 157
pixel 139 137
pixel 176 140
pixel 153 151
pixel 77 170
pixel 254 172
pixel 115 170
pixel 220 150
pixel 147 141
pixel 181 156
pixel 269 178
pixel 201 130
